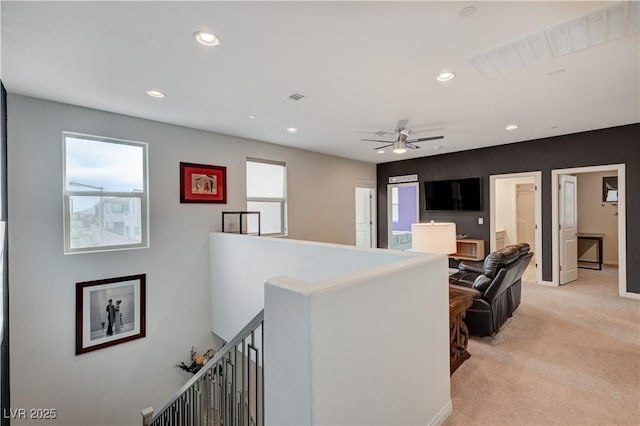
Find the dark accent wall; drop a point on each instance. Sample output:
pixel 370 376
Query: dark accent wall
pixel 4 347
pixel 616 145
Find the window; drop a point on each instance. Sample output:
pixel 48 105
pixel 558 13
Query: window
pixel 267 193
pixel 105 194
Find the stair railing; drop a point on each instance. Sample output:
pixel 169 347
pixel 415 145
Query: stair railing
pixel 227 391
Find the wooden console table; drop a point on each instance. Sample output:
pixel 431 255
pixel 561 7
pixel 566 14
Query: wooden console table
pixel 460 299
pixel 469 249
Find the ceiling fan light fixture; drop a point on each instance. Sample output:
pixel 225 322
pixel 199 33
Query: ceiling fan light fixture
pixel 399 147
pixel 445 76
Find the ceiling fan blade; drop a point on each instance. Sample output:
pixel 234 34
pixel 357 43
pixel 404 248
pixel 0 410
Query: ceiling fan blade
pixel 383 133
pixel 374 132
pixel 382 147
pixel 411 146
pixel 430 129
pixel 401 124
pixel 432 138
pixel 376 140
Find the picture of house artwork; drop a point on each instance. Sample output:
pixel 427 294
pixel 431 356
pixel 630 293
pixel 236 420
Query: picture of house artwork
pixel 204 184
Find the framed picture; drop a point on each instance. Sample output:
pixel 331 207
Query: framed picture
pixel 200 183
pixel 109 312
pixel 610 189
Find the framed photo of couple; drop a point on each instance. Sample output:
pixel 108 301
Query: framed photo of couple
pixel 109 312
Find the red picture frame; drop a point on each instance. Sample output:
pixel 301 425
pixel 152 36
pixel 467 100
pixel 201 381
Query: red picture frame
pixel 201 183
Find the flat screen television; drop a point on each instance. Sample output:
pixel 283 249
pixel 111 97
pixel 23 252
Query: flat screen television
pixel 453 194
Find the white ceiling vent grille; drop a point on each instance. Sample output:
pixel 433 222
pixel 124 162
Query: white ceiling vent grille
pixel 612 22
pixel 296 96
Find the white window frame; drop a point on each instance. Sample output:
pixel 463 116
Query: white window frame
pixel 283 201
pixel 143 196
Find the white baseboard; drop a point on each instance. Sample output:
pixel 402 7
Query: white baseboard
pixel 546 283
pixel 631 295
pixel 443 414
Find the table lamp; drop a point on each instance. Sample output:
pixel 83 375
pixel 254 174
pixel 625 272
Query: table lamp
pixel 434 237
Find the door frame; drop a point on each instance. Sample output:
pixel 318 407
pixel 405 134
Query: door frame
pixel 622 223
pixel 537 175
pixel 373 214
pixel 389 207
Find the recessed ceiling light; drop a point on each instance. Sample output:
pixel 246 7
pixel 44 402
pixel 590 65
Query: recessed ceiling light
pixel 511 127
pixel 292 130
pixel 252 116
pixel 206 39
pixel 467 11
pixel 445 76
pixel 155 93
pixel 380 151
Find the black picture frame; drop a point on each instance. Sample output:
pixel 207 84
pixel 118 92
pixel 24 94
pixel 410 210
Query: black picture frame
pixel 109 312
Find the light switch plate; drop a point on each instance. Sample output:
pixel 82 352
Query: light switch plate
pixel 481 221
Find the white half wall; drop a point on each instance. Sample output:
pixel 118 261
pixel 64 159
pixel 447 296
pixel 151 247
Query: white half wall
pixel 240 265
pixel 369 347
pixel 111 386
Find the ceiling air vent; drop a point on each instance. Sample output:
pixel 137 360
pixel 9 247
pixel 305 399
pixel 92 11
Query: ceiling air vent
pixel 296 97
pixel 605 24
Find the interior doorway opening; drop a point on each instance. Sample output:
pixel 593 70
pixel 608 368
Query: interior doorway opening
pixel 618 211
pixel 516 213
pixel 402 212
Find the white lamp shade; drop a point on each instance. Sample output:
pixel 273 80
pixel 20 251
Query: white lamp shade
pixel 434 237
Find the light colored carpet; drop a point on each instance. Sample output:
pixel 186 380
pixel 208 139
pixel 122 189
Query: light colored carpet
pixel 569 356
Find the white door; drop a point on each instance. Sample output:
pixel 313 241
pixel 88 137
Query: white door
pixel 364 222
pixel 525 214
pixel 568 237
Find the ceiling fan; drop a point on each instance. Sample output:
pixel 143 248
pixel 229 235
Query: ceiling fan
pixel 402 142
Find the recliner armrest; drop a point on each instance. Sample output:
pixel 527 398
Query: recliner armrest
pixel 472 266
pixel 482 283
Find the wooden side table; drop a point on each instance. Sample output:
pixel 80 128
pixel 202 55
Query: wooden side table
pixel 460 299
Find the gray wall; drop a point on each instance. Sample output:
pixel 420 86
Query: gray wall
pixel 617 145
pixel 111 385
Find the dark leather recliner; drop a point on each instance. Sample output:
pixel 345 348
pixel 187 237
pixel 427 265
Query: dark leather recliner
pixel 498 279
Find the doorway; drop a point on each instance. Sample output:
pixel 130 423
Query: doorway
pixel 402 212
pixel 516 214
pixel 556 207
pixel 365 225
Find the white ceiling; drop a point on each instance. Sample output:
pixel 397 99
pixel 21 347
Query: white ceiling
pixel 361 66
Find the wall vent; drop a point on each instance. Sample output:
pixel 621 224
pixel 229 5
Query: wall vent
pixel 296 96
